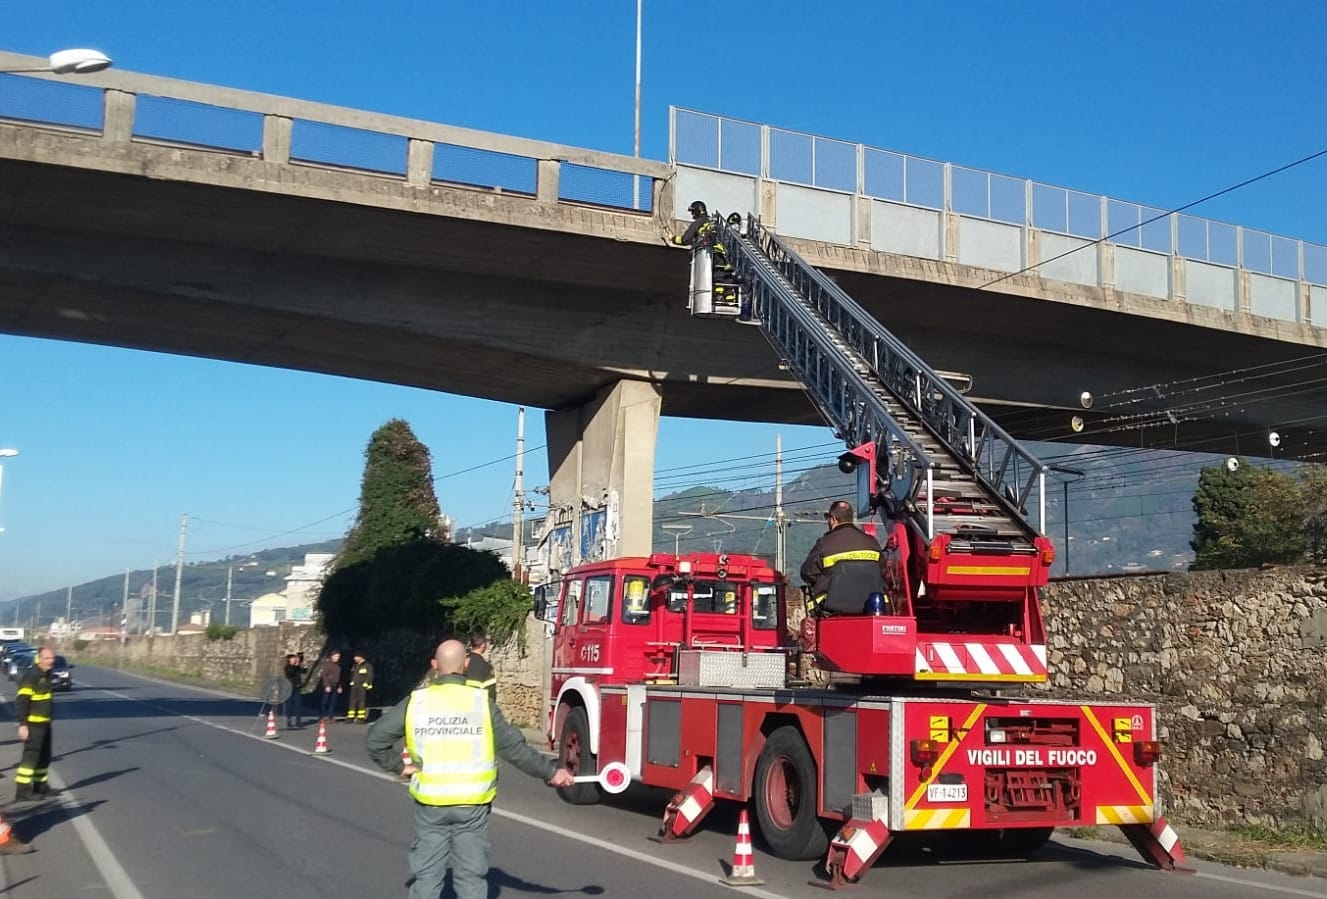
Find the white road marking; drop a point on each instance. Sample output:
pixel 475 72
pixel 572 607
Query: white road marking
pixel 1273 888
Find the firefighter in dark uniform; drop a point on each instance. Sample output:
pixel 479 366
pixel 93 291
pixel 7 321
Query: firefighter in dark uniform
pixel 361 682
pixel 843 568
pixel 32 708
pixel 701 233
pixel 478 671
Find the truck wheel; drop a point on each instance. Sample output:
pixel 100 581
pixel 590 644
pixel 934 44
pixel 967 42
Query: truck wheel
pixel 574 755
pixel 785 794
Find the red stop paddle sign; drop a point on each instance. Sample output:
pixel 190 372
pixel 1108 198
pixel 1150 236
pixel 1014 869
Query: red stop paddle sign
pixel 614 777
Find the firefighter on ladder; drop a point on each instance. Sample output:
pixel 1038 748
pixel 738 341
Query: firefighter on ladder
pixel 701 234
pixel 844 567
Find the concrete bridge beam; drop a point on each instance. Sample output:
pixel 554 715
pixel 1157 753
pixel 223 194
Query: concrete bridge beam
pixel 601 474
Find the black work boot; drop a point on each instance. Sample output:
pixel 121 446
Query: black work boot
pixel 23 793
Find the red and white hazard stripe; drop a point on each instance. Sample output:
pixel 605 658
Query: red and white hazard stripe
pixel 973 659
pixel 859 842
pixel 689 805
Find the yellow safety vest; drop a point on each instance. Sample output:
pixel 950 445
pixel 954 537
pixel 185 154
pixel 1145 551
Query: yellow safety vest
pixel 449 734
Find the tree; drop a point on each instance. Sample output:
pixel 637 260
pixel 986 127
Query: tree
pixel 1247 517
pixel 397 504
pixel 1314 481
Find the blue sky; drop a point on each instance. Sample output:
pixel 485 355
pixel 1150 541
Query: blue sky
pixel 1157 103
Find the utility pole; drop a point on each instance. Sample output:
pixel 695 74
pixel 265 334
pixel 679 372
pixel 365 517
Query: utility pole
pixel 518 504
pixel 124 604
pixel 230 574
pixel 37 617
pixel 152 601
pixel 179 575
pixel 635 179
pixel 780 523
pixel 69 613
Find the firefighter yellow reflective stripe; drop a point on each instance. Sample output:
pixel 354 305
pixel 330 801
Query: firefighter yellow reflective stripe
pixel 36 697
pixel 1125 814
pixel 39 719
pixel 939 765
pixel 937 819
pixel 986 569
pixel 1119 759
pixel 852 555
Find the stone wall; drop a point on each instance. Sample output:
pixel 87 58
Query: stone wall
pixel 1235 661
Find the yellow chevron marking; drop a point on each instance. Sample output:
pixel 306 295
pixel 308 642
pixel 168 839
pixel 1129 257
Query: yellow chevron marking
pixel 985 569
pixel 937 819
pixel 1119 759
pixel 950 749
pixel 1125 814
pixel 978 676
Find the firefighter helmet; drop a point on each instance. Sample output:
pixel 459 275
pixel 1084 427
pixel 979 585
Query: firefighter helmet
pixel 697 210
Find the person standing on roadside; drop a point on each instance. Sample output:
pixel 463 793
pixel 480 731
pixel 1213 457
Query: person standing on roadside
pixel 454 734
pixel 32 708
pixel 295 675
pixel 361 682
pixel 478 671
pixel 329 685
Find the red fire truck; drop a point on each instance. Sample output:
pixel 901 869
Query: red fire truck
pixel 684 667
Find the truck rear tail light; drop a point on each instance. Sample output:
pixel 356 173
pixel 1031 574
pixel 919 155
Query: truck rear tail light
pixel 1147 752
pixel 1048 556
pixel 936 551
pixel 925 753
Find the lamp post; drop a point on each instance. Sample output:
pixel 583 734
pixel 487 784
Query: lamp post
pixel 635 179
pixel 678 530
pixel 6 453
pixel 1075 474
pixel 68 62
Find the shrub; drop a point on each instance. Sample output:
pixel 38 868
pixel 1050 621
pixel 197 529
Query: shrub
pixel 218 631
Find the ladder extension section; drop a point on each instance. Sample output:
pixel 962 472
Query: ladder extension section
pixel 943 460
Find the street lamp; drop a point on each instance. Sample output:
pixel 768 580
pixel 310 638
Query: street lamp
pixel 1075 474
pixel 678 530
pixel 6 453
pixel 70 62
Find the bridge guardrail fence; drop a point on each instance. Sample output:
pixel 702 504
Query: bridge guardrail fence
pixel 999 222
pixel 132 106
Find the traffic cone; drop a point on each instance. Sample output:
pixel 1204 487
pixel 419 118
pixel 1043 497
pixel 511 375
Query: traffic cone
pixel 320 747
pixel 10 844
pixel 744 861
pixel 271 725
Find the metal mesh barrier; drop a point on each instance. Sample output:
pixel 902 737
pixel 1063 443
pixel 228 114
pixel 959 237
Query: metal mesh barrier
pixel 52 102
pixel 604 187
pixel 182 121
pixel 345 147
pixel 484 168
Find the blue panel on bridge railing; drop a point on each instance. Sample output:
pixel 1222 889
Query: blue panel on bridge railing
pixel 739 147
pixel 791 156
pixel 1315 263
pixel 346 147
pixel 988 196
pixel 53 102
pixel 1132 226
pixel 1066 211
pixel 603 187
pixel 835 165
pixel 484 168
pixel 884 175
pixel 696 139
pixel 183 121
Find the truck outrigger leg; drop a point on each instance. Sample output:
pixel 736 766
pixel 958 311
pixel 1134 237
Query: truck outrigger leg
pixel 852 850
pixel 1158 844
pixel 688 807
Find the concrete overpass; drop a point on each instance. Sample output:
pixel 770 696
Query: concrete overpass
pixel 164 215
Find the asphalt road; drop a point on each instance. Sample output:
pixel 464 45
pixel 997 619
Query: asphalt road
pixel 173 792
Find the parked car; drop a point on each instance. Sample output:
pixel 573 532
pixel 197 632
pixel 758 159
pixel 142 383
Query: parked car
pixel 60 676
pixel 11 648
pixel 18 663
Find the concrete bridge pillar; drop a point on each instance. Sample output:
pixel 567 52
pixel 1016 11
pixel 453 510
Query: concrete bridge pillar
pixel 601 475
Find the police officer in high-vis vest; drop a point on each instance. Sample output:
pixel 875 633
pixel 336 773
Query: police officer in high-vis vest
pixel 32 708
pixel 454 734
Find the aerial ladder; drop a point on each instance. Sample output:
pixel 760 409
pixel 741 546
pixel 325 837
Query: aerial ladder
pixel 962 503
